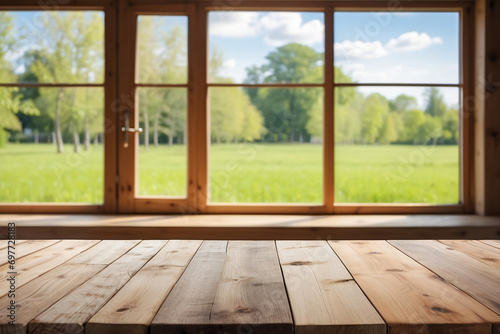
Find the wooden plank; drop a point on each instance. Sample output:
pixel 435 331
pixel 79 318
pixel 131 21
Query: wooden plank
pixel 493 243
pixel 188 307
pixel 134 306
pixel 104 252
pixel 36 264
pixel 323 295
pixel 477 250
pixel 26 248
pixel 251 295
pixel 36 296
pixel 477 279
pixel 71 312
pixel 408 296
pixel 4 243
pixel 255 227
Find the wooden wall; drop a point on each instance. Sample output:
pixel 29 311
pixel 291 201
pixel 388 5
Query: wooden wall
pixel 487 108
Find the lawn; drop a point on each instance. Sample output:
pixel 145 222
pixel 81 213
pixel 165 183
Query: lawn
pixel 246 173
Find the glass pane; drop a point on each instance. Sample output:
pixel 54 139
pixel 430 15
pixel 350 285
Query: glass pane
pixel 162 49
pixel 266 47
pixel 163 149
pixel 397 145
pixel 266 145
pixel 397 47
pixel 52 46
pixel 51 145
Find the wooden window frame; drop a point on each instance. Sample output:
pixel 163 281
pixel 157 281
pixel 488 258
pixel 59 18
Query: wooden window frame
pixel 109 85
pixel 329 206
pixel 198 126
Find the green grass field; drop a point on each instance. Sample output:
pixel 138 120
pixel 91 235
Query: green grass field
pixel 246 173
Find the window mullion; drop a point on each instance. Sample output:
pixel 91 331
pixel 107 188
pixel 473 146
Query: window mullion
pixel 328 119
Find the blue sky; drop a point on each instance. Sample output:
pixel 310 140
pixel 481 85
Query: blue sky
pixel 372 47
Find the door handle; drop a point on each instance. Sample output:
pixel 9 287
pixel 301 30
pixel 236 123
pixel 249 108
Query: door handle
pixel 124 129
pixel 127 129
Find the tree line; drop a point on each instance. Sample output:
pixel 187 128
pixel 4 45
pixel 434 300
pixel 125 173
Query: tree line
pixel 71 51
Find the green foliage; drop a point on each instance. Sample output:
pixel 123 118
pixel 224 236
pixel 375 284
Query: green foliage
pixel 375 107
pixel 403 103
pixel 71 51
pixel 435 103
pixel 4 136
pixel 11 102
pixel 293 63
pixel 288 111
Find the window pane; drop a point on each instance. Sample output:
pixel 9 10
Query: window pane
pixel 266 145
pixel 397 47
pixel 51 146
pixel 52 46
pixel 162 49
pixel 397 145
pixel 163 150
pixel 266 47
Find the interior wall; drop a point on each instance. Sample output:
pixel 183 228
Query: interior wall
pixel 487 107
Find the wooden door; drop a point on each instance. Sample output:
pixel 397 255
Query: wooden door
pixel 156 169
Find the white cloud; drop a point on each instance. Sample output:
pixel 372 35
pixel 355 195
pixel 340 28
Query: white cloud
pixel 230 69
pixel 358 50
pixel 234 24
pixel 412 41
pixel 281 28
pixel 409 41
pixel 278 28
pixel 229 64
pixel 353 67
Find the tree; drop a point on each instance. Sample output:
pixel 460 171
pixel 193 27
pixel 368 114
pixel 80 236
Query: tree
pixel 71 52
pixel 450 124
pixel 233 117
pixel 11 101
pixel 429 130
pixel 403 103
pixel 412 121
pixel 314 124
pixel 435 102
pixel 161 59
pixel 286 110
pixel 390 129
pixel 375 107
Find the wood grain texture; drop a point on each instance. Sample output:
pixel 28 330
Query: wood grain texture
pixel 477 250
pixel 493 243
pixel 323 295
pixel 36 264
pixel 251 294
pixel 132 309
pixel 407 295
pixel 188 307
pixel 26 248
pixel 104 252
pixel 254 227
pixel 479 280
pixel 70 313
pixel 36 296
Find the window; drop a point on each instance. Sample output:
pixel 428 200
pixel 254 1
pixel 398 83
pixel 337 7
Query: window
pixel 316 107
pixel 397 107
pixel 162 95
pixel 52 106
pixel 266 103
